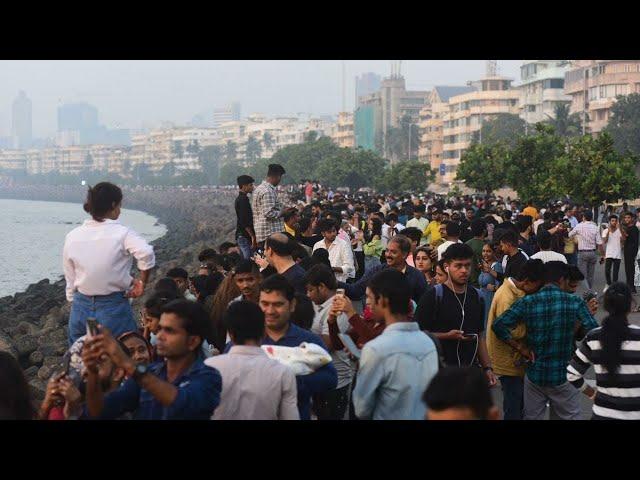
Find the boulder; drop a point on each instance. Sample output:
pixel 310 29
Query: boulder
pixel 25 345
pixel 6 345
pixel 44 373
pixel 38 389
pixel 30 372
pixel 36 358
pixel 52 361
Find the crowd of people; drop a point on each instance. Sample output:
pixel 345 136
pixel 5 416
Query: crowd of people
pixel 336 306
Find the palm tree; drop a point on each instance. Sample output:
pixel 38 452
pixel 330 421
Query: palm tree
pixel 267 141
pixel 178 151
pixel 230 151
pixel 253 149
pixel 564 123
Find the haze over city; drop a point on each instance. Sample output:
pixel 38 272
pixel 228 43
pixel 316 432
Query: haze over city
pixel 142 94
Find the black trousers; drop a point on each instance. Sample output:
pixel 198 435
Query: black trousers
pixel 630 268
pixel 615 262
pixel 332 405
pixel 359 257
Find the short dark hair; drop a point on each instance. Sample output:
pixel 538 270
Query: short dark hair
pixel 281 244
pixel 320 256
pixel 101 199
pixel 459 387
pixel 226 245
pixel 245 321
pixel 207 254
pixel 245 180
pixel 246 266
pixel 166 286
pixel 413 233
pixel 207 285
pixel 326 225
pixel 403 242
pixel 613 216
pixel 289 213
pixel 509 237
pixel 275 170
pixel 321 274
pixel 544 240
pixel 506 214
pixel 303 313
pixel 554 271
pixel 392 285
pixel 392 217
pixel 156 302
pixel 478 227
pixel 574 274
pixel 532 270
pixel 178 273
pixel 195 319
pixel 588 216
pixel 457 251
pixel 420 208
pixel 278 283
pixel 453 229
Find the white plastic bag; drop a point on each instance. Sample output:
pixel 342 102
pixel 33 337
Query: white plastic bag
pixel 303 360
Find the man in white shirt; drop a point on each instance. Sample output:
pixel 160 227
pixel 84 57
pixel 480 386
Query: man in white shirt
pixel 546 254
pixel 321 289
pixel 612 238
pixel 340 253
pixel 391 228
pixel 453 236
pixel 255 386
pixel 418 221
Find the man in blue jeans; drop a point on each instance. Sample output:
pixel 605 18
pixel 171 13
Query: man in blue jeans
pixel 245 235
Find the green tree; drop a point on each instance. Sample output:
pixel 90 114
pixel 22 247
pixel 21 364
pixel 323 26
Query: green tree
pixel 407 176
pixel 345 167
pixel 193 148
pixel 482 166
pixel 177 149
pixel 141 174
pixel 624 124
pixel 253 149
pixel 503 127
pixel 209 159
pixel 564 123
pixel 229 172
pixel 168 170
pixel 311 136
pixel 230 151
pixel 301 161
pixel 267 141
pixel 592 171
pixel 530 169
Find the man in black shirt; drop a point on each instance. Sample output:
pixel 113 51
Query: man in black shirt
pixel 245 235
pixel 454 313
pixel 630 239
pixel 515 258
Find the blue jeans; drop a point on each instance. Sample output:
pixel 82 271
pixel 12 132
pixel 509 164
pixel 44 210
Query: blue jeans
pixel 572 258
pixel 113 311
pixel 244 244
pixel 512 397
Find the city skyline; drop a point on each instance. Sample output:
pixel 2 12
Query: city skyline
pixel 143 94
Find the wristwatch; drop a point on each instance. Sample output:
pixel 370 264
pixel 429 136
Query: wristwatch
pixel 139 372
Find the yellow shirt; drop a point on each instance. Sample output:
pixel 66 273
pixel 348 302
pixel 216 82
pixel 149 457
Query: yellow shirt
pixel 531 211
pixel 289 230
pixel 433 230
pixel 502 356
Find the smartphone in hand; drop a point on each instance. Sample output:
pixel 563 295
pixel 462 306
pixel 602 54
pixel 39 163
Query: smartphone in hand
pixel 92 327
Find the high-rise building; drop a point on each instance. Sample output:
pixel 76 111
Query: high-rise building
pixel 384 109
pixel 593 86
pixel 492 95
pixel 229 113
pixel 81 118
pixel 366 84
pixel 342 133
pixel 21 121
pixel 542 89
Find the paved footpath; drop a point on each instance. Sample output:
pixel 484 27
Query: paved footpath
pixel 590 376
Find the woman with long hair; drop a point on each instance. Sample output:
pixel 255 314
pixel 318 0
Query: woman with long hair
pixel 227 291
pixel 424 263
pixel 613 349
pixel 97 260
pixel 15 398
pixel 488 278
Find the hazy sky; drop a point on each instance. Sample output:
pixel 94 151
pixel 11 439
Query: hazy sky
pixel 138 94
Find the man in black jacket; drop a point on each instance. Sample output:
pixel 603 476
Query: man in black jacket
pixel 630 239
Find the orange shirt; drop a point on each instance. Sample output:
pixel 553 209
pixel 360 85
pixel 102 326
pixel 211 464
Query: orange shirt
pixel 531 211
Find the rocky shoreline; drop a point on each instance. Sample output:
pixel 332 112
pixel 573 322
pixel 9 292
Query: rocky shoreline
pixel 33 323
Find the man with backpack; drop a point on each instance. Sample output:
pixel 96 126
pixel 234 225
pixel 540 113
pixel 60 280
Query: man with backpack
pixel 454 313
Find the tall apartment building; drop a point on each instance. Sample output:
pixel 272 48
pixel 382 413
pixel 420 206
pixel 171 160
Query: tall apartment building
pixel 380 111
pixel 13 160
pixel 431 123
pixel 366 84
pixel 593 86
pixel 21 125
pixel 228 113
pixel 542 89
pixel 466 113
pixel 343 133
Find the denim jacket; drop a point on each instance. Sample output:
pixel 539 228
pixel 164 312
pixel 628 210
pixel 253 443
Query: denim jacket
pixel 395 369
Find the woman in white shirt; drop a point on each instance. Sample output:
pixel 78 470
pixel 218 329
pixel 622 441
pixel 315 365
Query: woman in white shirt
pixel 97 260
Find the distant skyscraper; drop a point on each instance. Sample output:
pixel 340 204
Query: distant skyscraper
pixel 77 116
pixel 21 121
pixel 365 84
pixel 230 113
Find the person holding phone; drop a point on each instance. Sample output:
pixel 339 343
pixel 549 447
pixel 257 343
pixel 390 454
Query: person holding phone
pixel 97 260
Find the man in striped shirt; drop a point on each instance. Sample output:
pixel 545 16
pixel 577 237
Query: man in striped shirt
pixel 266 206
pixel 589 241
pixel 550 316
